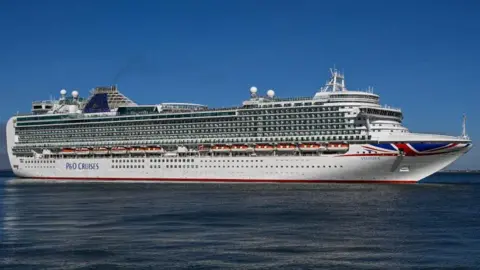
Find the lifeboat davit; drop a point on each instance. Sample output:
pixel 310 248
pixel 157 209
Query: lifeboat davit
pixel 286 147
pixel 67 151
pixel 337 147
pixel 264 148
pixel 82 151
pixel 118 150
pixel 221 148
pixel 154 150
pixel 100 151
pixel 309 147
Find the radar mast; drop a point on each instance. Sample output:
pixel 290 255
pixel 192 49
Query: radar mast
pixel 336 83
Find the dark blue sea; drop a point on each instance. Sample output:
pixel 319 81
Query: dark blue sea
pixel 45 225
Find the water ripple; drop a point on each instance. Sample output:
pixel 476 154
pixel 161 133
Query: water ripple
pixel 238 226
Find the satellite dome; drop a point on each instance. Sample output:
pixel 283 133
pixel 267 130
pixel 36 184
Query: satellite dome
pixel 253 89
pixel 75 94
pixel 270 93
pixel 63 92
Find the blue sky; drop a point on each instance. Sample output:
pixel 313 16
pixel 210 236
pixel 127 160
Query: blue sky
pixel 422 56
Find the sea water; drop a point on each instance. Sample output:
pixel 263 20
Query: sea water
pixel 55 225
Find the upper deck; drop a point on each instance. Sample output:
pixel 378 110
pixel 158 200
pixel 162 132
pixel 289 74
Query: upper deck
pixel 108 102
pixel 334 113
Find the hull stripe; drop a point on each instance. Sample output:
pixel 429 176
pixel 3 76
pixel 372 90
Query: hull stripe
pixel 226 180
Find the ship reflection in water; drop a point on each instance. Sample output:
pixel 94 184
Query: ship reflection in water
pixel 222 226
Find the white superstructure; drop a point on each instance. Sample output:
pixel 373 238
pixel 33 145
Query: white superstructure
pixel 337 135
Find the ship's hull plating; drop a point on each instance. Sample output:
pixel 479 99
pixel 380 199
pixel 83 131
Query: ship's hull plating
pixel 397 169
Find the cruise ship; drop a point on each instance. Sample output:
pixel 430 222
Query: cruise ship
pixel 335 135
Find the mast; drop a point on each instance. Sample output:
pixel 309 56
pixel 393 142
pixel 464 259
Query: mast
pixel 464 127
pixel 336 83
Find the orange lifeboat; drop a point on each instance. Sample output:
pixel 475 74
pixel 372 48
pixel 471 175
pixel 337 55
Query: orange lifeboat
pixel 100 151
pixel 221 148
pixel 264 148
pixel 338 147
pixel 203 148
pixel 67 151
pixel 137 150
pixel 119 150
pixel 82 151
pixel 154 150
pixel 240 148
pixel 309 147
pixel 286 147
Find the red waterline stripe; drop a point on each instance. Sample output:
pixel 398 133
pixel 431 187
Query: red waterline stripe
pixel 228 180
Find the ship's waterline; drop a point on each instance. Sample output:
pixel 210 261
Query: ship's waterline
pixel 336 136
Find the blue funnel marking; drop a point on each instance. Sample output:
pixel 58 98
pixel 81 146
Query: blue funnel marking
pixel 98 103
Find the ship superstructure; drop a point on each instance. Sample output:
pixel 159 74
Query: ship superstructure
pixel 336 135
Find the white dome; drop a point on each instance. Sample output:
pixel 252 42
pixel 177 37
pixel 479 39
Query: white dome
pixel 270 93
pixel 72 108
pixel 74 94
pixel 63 92
pixel 253 89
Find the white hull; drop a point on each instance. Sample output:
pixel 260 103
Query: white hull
pixel 399 169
